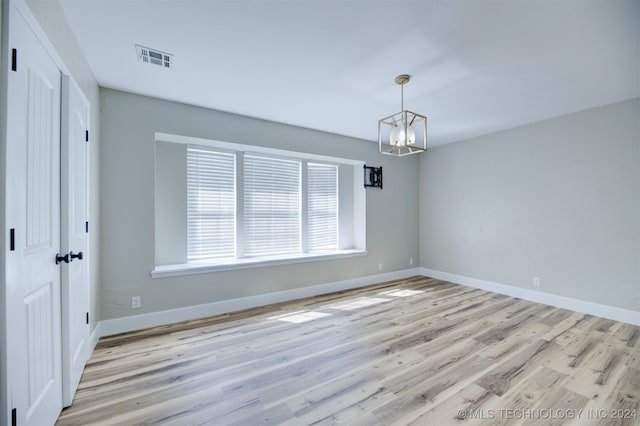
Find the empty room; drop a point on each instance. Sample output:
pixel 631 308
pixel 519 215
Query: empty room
pixel 297 212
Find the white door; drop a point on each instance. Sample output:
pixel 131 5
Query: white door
pixel 74 236
pixel 33 218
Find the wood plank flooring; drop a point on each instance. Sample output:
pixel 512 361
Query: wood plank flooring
pixel 412 352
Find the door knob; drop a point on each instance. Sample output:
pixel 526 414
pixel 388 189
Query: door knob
pixel 60 258
pixel 78 255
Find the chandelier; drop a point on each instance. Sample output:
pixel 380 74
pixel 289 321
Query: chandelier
pixel 405 132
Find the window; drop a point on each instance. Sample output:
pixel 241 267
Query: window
pixel 271 206
pixel 211 205
pixel 220 205
pixel 322 207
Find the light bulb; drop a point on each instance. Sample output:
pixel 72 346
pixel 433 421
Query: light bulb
pixel 397 136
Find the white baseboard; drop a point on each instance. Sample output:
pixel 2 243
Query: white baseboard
pixel 596 309
pixel 95 336
pixel 137 322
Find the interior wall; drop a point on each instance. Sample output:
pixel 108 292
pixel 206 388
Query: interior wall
pixel 128 126
pixel 171 203
pixel 558 200
pixel 52 20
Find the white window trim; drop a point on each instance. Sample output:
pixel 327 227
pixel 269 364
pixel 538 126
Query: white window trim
pixel 161 271
pixel 247 263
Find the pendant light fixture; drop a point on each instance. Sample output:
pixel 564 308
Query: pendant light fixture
pixel 405 132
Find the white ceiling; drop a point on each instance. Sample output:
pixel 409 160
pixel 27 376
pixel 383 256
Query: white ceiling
pixel 477 66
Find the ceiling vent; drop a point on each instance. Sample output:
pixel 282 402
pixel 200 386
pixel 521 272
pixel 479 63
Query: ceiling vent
pixel 153 56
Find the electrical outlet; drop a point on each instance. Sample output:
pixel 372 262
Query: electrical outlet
pixel 379 266
pixel 135 302
pixel 411 261
pixel 536 282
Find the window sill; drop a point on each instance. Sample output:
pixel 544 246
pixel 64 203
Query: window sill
pixel 230 265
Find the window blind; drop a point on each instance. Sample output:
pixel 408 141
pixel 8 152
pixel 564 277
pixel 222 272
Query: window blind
pixel 271 206
pixel 322 194
pixel 211 204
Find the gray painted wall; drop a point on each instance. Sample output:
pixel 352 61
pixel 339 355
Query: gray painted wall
pixel 52 20
pixel 558 199
pixel 171 203
pixel 128 126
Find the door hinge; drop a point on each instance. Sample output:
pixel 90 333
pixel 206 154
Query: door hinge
pixel 86 136
pixel 12 239
pixel 87 317
pixel 14 59
pixel 14 417
pixel 86 227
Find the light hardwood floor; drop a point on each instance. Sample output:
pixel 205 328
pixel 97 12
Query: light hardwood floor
pixel 414 351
